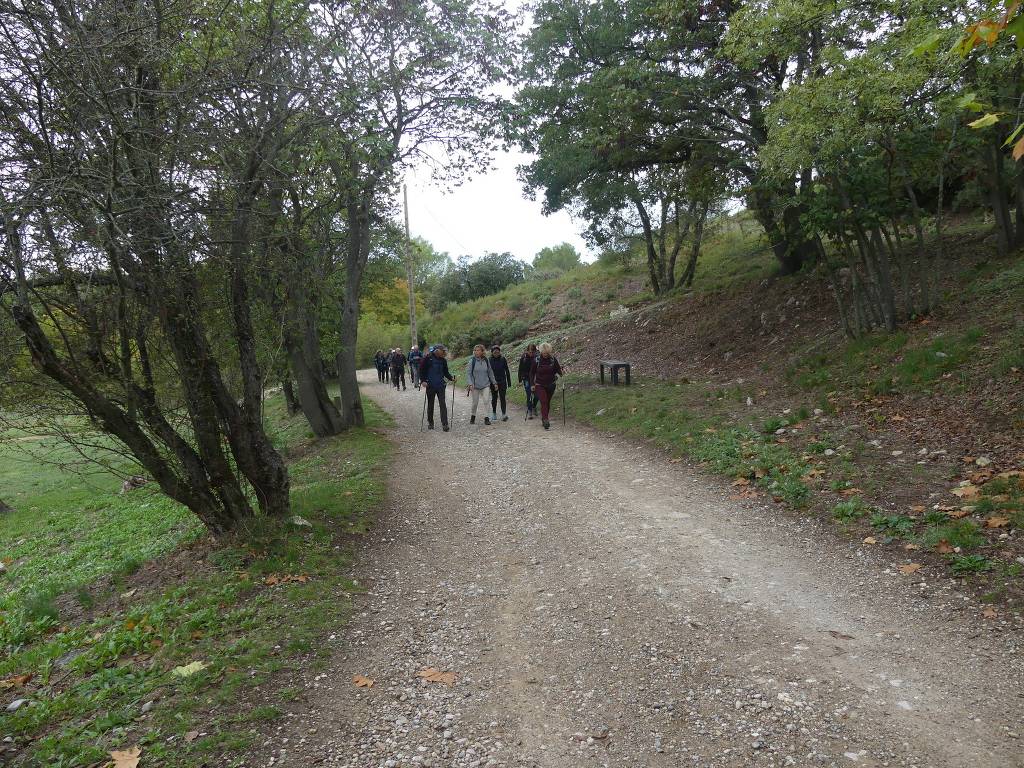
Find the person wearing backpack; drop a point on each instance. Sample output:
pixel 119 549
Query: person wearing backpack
pixel 503 379
pixel 479 377
pixel 415 356
pixel 544 379
pixel 525 366
pixel 434 374
pixel 398 368
pixel 378 361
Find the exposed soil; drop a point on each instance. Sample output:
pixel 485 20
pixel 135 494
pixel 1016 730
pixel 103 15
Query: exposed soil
pixel 601 606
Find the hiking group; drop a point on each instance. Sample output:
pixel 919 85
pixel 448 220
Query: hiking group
pixel 538 372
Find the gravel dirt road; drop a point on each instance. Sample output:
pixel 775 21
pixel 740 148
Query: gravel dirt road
pixel 600 606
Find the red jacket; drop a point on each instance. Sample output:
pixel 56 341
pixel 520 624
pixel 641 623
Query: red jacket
pixel 545 372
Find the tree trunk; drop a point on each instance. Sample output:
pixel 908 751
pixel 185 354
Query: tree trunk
pixel 4 509
pixel 789 244
pixel 997 199
pixel 289 396
pixel 652 255
pixel 302 344
pixel 698 237
pixel 356 253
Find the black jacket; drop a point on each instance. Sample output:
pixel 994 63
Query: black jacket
pixel 525 364
pixel 502 374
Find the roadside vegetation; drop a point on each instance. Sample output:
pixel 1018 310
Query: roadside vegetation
pixel 125 625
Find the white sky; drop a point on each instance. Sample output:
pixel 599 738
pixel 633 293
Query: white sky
pixel 487 213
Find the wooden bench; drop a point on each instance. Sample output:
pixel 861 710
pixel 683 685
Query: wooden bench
pixel 615 366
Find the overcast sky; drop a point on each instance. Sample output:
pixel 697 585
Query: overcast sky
pixel 487 213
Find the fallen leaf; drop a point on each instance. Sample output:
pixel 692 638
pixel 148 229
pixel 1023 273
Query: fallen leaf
pixel 741 481
pixel 850 491
pixel 432 675
pixel 676 460
pixel 897 417
pixel 18 681
pixel 129 758
pixel 362 682
pixel 957 514
pixel 191 736
pixel 910 547
pixel 870 540
pixel 967 459
pixel 910 568
pixel 276 578
pixel 967 491
pixel 943 547
pixel 990 613
pixel 997 522
pixel 917 508
pixel 189 669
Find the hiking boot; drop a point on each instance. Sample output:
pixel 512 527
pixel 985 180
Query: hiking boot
pixel 504 417
pixel 430 426
pixel 529 414
pixel 472 419
pixel 494 417
pixel 547 425
pixel 444 427
pixel 487 421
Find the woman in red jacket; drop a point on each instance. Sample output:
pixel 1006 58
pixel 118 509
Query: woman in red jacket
pixel 543 379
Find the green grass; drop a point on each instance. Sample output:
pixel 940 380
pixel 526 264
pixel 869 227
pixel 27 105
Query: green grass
pixel 958 533
pixel 880 364
pixel 79 539
pixel 851 509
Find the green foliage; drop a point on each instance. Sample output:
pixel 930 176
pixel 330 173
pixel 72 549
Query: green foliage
pixel 555 259
pixel 967 564
pixel 851 509
pixel 958 533
pixel 893 525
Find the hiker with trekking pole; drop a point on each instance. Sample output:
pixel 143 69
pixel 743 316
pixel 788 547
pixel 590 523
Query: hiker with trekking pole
pixel 398 368
pixel 480 378
pixel 544 380
pixel 415 357
pixel 529 357
pixel 434 375
pixel 503 380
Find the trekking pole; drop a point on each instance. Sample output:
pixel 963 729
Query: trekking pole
pixel 563 405
pixel 451 418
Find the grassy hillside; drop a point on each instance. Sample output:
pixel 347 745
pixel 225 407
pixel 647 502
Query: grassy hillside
pixel 909 441
pixel 107 599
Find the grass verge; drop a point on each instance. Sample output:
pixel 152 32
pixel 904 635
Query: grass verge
pixel 125 626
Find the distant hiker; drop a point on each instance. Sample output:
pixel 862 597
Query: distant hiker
pixel 415 356
pixel 398 368
pixel 543 379
pixel 503 380
pixel 525 366
pixel 434 373
pixel 479 377
pixel 387 365
pixel 378 361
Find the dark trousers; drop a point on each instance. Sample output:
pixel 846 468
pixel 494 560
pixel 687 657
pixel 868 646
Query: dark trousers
pixel 439 394
pixel 531 397
pixel 380 372
pixel 398 377
pixel 387 370
pixel 498 393
pixel 545 400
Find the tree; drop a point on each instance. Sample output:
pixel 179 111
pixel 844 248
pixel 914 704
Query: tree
pixel 556 259
pixel 411 78
pixel 467 279
pixel 135 146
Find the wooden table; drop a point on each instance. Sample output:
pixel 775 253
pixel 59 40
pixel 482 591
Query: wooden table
pixel 615 366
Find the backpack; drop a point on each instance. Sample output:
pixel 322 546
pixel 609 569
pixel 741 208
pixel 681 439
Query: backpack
pixel 472 367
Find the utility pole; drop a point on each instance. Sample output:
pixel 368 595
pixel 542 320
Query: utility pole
pixel 409 271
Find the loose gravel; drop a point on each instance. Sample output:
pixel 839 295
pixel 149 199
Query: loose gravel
pixel 600 606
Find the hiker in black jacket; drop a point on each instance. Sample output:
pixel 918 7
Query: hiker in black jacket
pixel 378 361
pixel 525 366
pixel 434 375
pixel 398 368
pixel 503 380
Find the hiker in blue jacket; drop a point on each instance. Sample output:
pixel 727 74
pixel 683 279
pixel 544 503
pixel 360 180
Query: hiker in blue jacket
pixel 503 380
pixel 434 375
pixel 415 357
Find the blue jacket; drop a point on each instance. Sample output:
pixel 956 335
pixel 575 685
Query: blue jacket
pixel 434 371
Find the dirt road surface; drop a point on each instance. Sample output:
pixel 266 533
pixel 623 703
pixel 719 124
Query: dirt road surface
pixel 601 606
